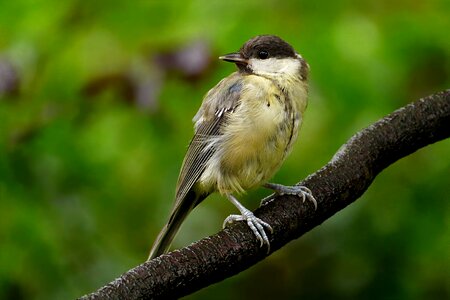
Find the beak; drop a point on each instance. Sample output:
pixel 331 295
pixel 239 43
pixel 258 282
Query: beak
pixel 236 58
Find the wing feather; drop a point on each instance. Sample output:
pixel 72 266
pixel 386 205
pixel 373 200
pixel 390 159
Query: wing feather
pixel 218 104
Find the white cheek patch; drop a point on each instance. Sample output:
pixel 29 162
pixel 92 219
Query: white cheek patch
pixel 289 66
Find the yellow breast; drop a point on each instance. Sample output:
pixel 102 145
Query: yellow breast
pixel 257 136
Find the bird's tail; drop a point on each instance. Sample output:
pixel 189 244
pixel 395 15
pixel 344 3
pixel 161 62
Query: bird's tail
pixel 179 213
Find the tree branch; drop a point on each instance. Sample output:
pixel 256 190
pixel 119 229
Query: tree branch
pixel 343 180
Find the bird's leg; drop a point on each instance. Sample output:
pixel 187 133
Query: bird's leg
pixel 298 190
pixel 256 224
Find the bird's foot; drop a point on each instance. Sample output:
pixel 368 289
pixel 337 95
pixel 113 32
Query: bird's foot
pixel 297 190
pixel 256 225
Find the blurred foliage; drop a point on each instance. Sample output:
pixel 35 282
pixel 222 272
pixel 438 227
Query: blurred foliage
pixel 96 101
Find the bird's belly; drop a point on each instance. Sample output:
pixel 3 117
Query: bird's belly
pixel 251 150
pixel 251 164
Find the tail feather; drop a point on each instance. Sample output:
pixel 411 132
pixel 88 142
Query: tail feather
pixel 167 234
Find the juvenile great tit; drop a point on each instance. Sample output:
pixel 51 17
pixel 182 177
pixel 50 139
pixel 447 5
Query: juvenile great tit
pixel 244 130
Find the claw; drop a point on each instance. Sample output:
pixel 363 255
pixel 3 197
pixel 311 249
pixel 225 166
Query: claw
pixel 298 190
pixel 256 224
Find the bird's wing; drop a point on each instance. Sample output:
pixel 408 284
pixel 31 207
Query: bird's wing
pixel 218 104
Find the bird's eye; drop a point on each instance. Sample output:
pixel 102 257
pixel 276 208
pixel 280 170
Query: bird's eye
pixel 263 54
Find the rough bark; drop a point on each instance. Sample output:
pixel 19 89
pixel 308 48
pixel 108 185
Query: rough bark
pixel 343 180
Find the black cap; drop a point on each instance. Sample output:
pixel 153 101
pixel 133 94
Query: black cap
pixel 260 47
pixel 266 46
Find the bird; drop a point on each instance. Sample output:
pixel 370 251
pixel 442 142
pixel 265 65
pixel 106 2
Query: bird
pixel 243 131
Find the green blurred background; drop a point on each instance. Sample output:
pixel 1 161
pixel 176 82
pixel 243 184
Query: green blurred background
pixel 96 102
